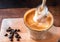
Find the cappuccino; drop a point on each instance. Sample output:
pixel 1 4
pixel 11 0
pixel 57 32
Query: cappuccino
pixel 44 24
pixel 36 29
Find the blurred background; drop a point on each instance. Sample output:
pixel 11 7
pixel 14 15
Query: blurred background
pixel 26 3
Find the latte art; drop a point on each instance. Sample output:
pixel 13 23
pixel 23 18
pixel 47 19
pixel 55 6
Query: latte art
pixel 44 24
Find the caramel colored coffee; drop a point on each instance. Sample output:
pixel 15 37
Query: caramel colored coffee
pixel 38 26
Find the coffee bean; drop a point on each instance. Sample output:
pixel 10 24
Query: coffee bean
pixel 9 29
pixel 6 35
pixel 17 35
pixel 15 30
pixel 11 39
pixel 18 30
pixel 18 39
pixel 11 36
pixel 12 31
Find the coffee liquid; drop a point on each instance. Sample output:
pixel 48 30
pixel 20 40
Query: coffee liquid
pixel 39 26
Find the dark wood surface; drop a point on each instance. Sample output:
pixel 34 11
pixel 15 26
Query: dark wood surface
pixel 19 13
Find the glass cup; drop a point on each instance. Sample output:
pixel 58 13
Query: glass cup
pixel 36 33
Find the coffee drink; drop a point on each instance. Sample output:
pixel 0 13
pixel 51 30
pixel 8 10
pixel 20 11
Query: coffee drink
pixel 39 26
pixel 36 28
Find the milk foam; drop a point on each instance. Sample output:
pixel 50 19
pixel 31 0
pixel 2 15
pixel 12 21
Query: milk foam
pixel 39 15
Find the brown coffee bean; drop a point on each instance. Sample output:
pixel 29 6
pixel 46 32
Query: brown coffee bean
pixel 11 36
pixel 18 30
pixel 9 29
pixel 16 35
pixel 15 30
pixel 12 31
pixel 6 35
pixel 11 39
pixel 18 39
